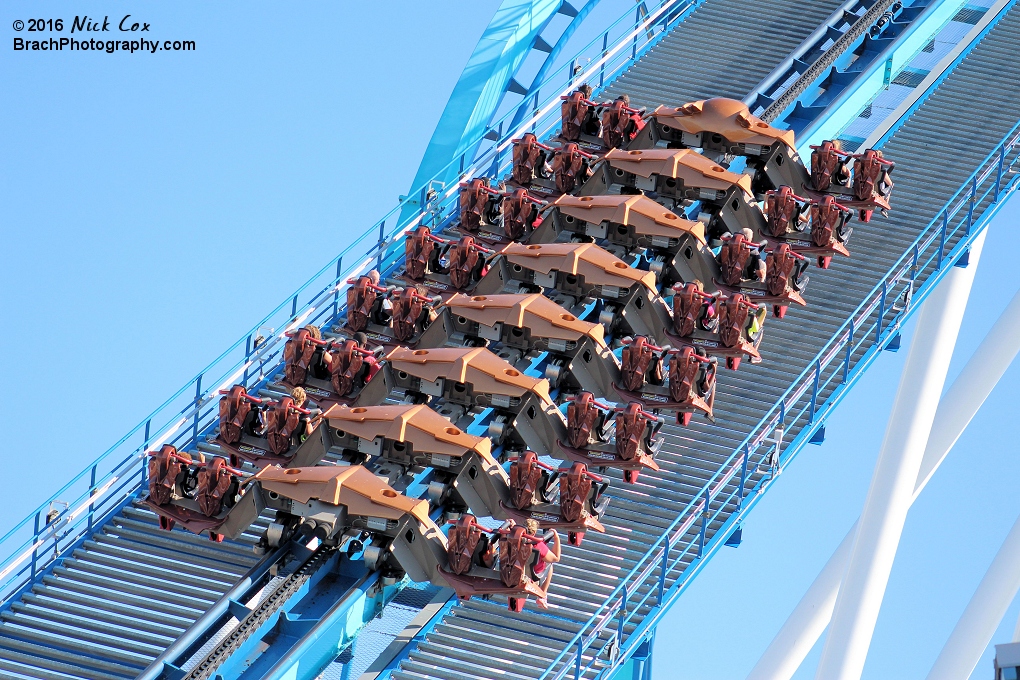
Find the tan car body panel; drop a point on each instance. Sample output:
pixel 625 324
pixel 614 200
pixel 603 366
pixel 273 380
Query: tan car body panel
pixel 684 164
pixel 542 316
pixel 475 365
pixel 423 428
pixel 646 216
pixel 728 117
pixel 598 266
pixel 355 487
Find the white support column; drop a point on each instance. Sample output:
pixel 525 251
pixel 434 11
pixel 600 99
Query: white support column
pixel 977 624
pixel 961 402
pixel 892 484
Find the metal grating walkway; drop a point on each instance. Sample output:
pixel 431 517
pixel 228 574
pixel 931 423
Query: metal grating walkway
pixel 125 594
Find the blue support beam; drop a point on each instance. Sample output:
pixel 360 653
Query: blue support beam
pixel 511 35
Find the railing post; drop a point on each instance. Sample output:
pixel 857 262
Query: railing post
pixel 535 104
pixel 293 307
pixel 198 409
pixel 970 206
pixel 573 71
pixel 942 237
pixel 999 171
pixel 849 351
pixel 145 446
pixel 336 293
pixel 602 68
pixel 814 391
pixel 382 236
pixel 637 22
pixel 881 314
pixel 743 477
pixel 92 490
pixel 662 571
pixel 777 435
pixel 577 663
pixel 35 537
pixel 913 267
pixel 247 356
pixel 704 524
pixel 622 616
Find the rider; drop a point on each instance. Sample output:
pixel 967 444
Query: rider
pixel 300 397
pixel 706 374
pixel 884 185
pixel 385 305
pixel 842 174
pixel 542 554
pixel 755 269
pixel 756 324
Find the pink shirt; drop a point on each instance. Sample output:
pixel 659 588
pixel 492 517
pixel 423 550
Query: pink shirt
pixel 543 549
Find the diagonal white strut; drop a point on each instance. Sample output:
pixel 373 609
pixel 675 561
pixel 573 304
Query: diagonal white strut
pixel 977 624
pixel 892 483
pixel 961 402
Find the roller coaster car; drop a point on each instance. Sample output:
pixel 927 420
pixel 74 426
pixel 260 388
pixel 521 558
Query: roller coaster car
pixel 866 188
pixel 696 263
pixel 479 204
pixel 413 435
pixel 691 379
pixel 338 505
pixel 398 535
pixel 634 223
pixel 740 263
pixel 524 324
pixel 721 325
pixel 514 558
pixel 815 228
pixel 470 378
pixel 466 474
pixel 549 170
pixel 203 496
pixel 630 302
pixel 273 433
pixel 337 370
pixel 632 446
pixel 535 486
pixel 676 178
pixel 456 268
pixel 726 127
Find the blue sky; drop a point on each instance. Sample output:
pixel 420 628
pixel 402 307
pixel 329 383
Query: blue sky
pixel 155 206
